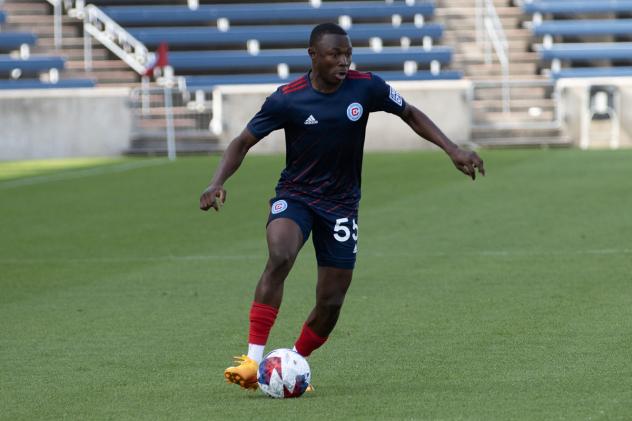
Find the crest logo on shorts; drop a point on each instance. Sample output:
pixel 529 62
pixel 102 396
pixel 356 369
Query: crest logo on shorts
pixel 395 97
pixel 278 207
pixel 354 111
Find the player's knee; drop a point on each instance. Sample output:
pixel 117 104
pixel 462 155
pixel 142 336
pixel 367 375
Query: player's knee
pixel 281 260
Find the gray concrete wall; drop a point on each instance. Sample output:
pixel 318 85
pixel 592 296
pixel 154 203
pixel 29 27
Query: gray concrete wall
pixel 574 97
pixel 447 103
pixel 64 123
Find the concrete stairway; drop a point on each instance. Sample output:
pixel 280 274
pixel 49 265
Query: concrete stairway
pixel 37 16
pixel 531 120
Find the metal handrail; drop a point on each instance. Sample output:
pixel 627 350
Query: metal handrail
pixel 490 33
pixel 115 38
pixel 57 24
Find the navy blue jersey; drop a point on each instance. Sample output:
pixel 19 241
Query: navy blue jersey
pixel 324 136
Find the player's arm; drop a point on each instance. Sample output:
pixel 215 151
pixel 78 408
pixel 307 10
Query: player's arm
pixel 464 161
pixel 214 195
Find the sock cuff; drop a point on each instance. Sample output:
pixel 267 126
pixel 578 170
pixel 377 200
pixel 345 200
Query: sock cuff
pixel 263 308
pixel 313 335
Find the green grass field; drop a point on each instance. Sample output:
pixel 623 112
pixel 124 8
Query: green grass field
pixel 508 298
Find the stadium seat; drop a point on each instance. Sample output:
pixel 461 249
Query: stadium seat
pixel 264 12
pixel 233 60
pixel 577 7
pixel 276 35
pixel 3 17
pixel 37 84
pixel 200 82
pixel 584 27
pixel 33 65
pixel 588 51
pixel 10 41
pixel 623 71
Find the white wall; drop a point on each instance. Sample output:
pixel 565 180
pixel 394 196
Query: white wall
pixel 447 103
pixel 64 123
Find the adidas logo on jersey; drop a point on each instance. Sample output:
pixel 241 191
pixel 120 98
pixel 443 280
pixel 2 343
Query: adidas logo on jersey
pixel 311 120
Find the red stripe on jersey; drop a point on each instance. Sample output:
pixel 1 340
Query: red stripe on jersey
pixel 296 82
pixel 354 74
pixel 287 90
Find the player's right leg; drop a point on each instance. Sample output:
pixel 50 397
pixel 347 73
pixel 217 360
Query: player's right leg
pixel 285 237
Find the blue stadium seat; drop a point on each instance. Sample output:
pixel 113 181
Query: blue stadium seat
pixel 35 64
pixel 3 17
pixel 13 40
pixel 200 82
pixel 584 27
pixel 578 7
pixel 233 60
pixel 278 34
pixel 36 84
pixel 623 71
pixel 588 51
pixel 263 12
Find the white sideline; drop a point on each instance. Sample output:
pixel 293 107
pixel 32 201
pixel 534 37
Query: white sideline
pixel 73 174
pixel 482 253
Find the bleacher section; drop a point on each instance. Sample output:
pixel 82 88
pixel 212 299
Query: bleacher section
pixel 605 49
pixel 274 36
pixel 265 12
pixel 19 69
pixel 228 42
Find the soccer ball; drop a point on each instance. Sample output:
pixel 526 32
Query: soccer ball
pixel 284 373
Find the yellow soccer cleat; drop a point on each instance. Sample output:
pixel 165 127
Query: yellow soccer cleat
pixel 244 373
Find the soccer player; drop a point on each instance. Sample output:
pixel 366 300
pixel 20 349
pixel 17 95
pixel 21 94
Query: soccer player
pixel 324 114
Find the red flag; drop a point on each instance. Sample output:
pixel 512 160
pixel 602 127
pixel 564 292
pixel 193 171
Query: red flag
pixel 161 61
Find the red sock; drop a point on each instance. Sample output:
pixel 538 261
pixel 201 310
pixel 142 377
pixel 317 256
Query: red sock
pixel 308 341
pixel 262 317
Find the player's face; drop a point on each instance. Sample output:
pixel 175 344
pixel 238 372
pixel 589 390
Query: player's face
pixel 331 58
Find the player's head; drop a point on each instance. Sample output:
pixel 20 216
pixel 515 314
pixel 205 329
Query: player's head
pixel 330 51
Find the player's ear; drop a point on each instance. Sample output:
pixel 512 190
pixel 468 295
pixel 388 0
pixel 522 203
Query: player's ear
pixel 311 51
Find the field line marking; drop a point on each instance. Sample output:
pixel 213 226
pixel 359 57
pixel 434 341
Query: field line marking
pixel 73 174
pixel 482 253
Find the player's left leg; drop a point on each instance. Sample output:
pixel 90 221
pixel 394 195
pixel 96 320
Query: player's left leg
pixel 335 237
pixel 331 290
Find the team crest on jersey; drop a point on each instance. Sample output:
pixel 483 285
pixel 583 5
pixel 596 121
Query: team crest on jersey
pixel 278 206
pixel 395 97
pixel 354 111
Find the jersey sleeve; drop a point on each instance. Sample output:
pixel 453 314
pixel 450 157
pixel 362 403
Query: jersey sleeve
pixel 385 98
pixel 271 116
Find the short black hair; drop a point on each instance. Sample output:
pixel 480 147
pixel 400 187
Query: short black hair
pixel 323 29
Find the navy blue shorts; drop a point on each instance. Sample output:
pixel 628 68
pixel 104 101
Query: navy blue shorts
pixel 335 235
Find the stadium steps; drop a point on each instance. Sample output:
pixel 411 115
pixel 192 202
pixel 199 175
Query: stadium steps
pixel 153 143
pixel 532 118
pixel 37 16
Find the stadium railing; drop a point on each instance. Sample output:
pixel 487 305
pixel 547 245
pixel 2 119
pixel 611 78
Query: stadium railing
pixel 582 72
pixel 583 27
pixel 10 41
pixel 279 34
pixel 262 12
pixel 576 7
pixel 233 60
pixel 32 65
pixel 584 51
pixel 200 82
pixel 37 84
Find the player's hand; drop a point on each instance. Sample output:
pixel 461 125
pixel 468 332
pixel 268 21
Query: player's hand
pixel 467 162
pixel 213 197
